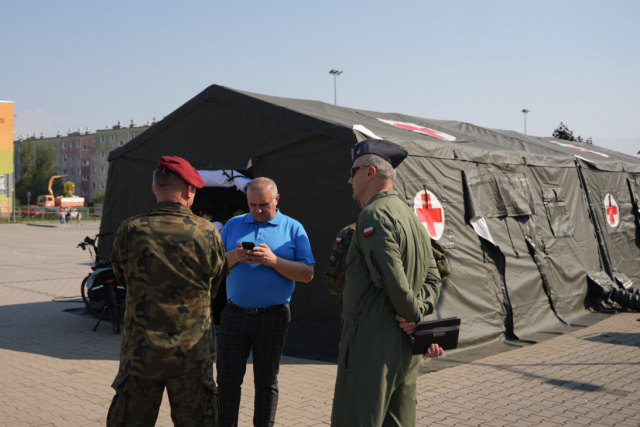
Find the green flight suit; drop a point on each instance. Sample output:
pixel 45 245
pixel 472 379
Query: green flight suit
pixel 390 270
pixel 172 262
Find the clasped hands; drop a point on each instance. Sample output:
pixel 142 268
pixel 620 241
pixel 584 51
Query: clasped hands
pixel 434 350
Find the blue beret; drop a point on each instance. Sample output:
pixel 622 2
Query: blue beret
pixel 392 153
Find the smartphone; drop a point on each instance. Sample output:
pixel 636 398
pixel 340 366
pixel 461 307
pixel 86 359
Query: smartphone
pixel 248 245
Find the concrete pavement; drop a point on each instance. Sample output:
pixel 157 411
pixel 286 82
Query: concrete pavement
pixel 55 371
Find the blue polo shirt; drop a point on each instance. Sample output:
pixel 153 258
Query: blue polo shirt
pixel 256 285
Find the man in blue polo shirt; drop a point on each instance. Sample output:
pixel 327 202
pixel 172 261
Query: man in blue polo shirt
pixel 259 288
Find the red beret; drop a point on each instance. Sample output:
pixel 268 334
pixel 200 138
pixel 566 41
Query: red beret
pixel 182 168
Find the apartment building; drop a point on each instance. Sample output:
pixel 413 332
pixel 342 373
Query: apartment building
pixel 75 159
pixel 106 141
pixel 83 155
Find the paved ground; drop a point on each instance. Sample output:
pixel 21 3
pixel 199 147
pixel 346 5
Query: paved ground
pixel 55 371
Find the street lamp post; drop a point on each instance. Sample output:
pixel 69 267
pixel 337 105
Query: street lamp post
pixel 525 111
pixel 335 73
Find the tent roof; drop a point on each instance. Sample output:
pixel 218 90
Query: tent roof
pixel 462 139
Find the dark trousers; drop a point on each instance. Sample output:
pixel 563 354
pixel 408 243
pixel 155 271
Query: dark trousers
pixel 239 334
pixel 219 302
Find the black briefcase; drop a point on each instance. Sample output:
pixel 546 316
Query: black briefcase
pixel 443 332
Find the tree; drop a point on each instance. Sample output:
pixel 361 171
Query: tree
pixel 99 197
pixel 564 133
pixel 37 167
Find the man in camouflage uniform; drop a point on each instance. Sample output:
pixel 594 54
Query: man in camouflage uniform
pixel 336 267
pixel 391 282
pixel 171 262
pixel 337 264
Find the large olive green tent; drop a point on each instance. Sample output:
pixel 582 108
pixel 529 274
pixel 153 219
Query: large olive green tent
pixel 527 222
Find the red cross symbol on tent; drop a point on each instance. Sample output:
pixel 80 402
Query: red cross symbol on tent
pixel 612 211
pixel 421 129
pixel 430 211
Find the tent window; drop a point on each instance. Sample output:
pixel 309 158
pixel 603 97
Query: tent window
pixel 555 205
pixel 499 195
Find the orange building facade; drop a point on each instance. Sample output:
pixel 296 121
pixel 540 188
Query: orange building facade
pixel 6 158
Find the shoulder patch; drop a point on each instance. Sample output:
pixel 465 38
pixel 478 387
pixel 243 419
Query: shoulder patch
pixel 369 231
pixel 338 240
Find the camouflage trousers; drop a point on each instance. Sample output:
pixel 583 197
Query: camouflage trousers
pixel 193 400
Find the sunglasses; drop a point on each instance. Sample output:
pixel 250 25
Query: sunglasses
pixel 357 168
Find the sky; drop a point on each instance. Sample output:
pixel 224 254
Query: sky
pixel 77 64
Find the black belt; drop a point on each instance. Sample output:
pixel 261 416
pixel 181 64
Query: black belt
pixel 255 310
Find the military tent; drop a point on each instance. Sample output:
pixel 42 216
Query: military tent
pixel 527 222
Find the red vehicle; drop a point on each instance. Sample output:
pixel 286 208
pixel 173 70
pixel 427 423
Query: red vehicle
pixel 32 211
pixel 49 200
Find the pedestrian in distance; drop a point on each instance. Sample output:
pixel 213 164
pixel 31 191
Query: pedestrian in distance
pixel 391 282
pixel 267 253
pixel 171 262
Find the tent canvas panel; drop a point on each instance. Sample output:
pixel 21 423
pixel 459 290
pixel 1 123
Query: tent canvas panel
pixel 566 249
pixel 613 209
pixel 527 298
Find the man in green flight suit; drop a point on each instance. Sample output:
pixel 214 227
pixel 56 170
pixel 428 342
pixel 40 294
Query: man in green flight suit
pixel 391 282
pixel 172 262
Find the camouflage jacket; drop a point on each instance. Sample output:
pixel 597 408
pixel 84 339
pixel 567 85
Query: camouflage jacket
pixel 171 262
pixel 337 264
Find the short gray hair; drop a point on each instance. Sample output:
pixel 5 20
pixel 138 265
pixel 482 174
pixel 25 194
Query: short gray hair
pixel 385 169
pixel 263 182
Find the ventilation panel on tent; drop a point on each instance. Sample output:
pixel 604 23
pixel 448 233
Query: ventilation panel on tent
pixel 555 206
pixel 501 205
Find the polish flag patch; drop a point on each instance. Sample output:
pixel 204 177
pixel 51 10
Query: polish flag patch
pixel 368 231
